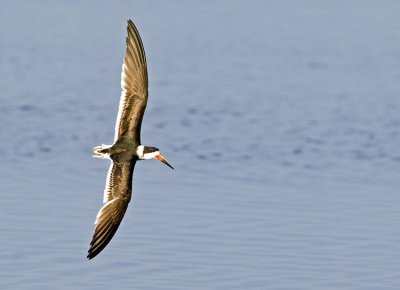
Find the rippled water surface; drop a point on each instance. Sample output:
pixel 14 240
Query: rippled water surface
pixel 282 119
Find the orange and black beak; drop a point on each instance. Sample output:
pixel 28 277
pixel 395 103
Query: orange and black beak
pixel 163 160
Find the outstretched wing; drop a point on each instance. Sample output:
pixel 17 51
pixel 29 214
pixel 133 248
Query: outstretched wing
pixel 134 83
pixel 117 195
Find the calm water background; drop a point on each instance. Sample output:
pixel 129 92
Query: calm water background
pixel 282 119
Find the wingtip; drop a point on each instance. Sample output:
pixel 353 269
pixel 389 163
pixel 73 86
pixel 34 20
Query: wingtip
pixel 93 252
pixel 90 253
pixel 90 256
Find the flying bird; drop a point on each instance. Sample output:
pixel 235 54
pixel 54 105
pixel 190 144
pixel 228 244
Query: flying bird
pixel 127 147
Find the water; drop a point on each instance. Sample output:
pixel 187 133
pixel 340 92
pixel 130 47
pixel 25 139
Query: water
pixel 281 120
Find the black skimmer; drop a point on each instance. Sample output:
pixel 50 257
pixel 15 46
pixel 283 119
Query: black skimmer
pixel 127 148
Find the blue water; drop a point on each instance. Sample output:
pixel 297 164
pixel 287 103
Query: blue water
pixel 281 119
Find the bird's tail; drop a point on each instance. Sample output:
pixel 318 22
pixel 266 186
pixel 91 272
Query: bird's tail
pixel 102 151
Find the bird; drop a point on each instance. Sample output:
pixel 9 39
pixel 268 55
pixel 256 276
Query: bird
pixel 127 148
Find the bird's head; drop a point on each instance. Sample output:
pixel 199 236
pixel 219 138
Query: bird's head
pixel 148 152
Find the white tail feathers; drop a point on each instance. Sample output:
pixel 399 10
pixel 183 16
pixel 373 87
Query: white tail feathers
pixel 101 151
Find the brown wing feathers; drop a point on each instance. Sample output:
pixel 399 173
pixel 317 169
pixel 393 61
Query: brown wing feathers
pixel 107 223
pixel 117 194
pixel 134 84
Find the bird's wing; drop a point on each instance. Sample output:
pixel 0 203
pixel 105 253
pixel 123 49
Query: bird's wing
pixel 117 195
pixel 134 83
